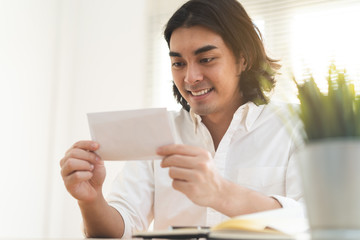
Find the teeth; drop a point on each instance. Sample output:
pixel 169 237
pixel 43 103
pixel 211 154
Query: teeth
pixel 201 92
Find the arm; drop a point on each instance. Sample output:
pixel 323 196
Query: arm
pixel 194 173
pixel 240 200
pixel 294 195
pixel 101 220
pixel 83 173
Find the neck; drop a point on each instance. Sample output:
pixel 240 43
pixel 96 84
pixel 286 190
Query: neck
pixel 217 124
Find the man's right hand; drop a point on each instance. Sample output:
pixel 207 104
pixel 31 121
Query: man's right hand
pixel 83 171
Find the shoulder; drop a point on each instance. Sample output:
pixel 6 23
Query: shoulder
pixel 281 110
pixel 276 116
pixel 287 117
pixel 180 116
pixel 181 121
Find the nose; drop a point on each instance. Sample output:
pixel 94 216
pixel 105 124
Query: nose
pixel 193 74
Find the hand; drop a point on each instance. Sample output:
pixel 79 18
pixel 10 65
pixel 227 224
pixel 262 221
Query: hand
pixel 83 171
pixel 193 172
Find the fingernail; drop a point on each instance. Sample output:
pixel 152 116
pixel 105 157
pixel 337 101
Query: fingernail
pixel 94 145
pixel 97 158
pixel 91 167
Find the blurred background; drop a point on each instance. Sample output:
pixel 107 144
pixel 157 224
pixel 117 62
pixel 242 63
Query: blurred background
pixel 60 59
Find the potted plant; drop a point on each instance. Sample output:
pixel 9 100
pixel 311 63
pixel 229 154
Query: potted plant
pixel 330 158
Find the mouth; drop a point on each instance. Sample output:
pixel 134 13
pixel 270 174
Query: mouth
pixel 201 92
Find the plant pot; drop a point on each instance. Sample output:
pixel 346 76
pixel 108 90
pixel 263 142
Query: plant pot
pixel 330 171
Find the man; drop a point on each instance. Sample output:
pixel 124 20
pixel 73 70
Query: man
pixel 235 156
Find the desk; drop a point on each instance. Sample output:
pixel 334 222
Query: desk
pixel 302 237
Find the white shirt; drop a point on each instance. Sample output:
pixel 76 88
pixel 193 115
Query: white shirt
pixel 255 152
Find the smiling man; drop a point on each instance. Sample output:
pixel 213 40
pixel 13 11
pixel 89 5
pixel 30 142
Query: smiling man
pixel 206 73
pixel 236 151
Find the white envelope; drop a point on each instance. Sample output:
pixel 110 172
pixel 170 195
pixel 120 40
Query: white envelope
pixel 131 134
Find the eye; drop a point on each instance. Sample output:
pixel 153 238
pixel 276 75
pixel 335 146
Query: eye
pixel 177 64
pixel 206 60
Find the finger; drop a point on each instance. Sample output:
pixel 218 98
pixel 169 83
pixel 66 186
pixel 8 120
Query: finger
pixel 181 174
pixel 73 165
pixel 80 154
pixel 83 155
pixel 86 145
pixel 181 186
pixel 178 161
pixel 77 177
pixel 179 149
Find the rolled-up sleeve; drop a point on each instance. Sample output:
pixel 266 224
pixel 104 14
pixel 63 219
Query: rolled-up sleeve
pixel 132 195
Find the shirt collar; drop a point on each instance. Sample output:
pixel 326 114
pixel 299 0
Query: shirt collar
pixel 196 119
pixel 246 114
pixel 251 114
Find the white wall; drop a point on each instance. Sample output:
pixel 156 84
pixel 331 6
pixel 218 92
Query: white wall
pixel 60 59
pixel 27 73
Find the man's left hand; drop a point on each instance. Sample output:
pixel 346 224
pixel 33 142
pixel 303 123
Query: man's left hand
pixel 193 172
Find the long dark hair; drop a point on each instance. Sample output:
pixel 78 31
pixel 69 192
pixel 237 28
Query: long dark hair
pixel 229 19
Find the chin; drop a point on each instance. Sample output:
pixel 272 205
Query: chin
pixel 202 110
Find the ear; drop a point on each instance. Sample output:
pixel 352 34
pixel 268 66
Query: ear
pixel 241 65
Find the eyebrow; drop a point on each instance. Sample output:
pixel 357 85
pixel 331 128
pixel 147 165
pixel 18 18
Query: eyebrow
pixel 174 54
pixel 196 52
pixel 204 49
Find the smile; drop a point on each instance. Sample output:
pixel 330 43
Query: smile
pixel 201 92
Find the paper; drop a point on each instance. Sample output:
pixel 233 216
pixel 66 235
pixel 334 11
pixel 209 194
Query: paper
pixel 132 134
pixel 287 220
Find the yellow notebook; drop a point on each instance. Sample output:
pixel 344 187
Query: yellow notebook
pixel 275 224
pixel 246 229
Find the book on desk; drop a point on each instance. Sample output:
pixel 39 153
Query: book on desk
pixel 274 224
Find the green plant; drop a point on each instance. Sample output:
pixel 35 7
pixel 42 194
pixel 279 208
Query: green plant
pixel 332 114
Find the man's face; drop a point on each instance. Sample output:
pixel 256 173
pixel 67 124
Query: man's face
pixel 205 71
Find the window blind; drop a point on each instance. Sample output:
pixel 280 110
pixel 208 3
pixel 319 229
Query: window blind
pixel 304 35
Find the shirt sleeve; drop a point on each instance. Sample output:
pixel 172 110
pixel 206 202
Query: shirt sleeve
pixel 293 188
pixel 132 196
